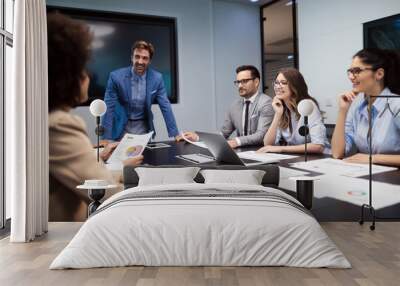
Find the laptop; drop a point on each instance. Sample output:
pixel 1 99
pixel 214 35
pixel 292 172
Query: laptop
pixel 222 152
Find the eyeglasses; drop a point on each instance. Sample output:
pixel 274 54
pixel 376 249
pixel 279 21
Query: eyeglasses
pixel 356 71
pixel 138 57
pixel 242 81
pixel 277 83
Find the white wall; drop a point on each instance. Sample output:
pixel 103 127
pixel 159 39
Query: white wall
pixel 237 41
pixel 213 37
pixel 330 33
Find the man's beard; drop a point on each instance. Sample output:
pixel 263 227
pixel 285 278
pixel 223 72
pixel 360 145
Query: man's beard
pixel 245 94
pixel 140 67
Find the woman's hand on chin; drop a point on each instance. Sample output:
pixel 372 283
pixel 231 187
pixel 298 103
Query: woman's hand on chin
pixel 346 99
pixel 277 105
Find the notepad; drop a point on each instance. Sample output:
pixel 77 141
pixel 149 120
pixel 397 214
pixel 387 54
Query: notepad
pixel 196 158
pixel 157 145
pixel 264 157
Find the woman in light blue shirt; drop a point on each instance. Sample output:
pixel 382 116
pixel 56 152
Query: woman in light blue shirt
pixel 372 72
pixel 283 135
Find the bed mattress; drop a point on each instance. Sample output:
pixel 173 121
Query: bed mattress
pixel 201 225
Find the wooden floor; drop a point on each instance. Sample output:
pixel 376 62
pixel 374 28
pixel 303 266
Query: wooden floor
pixel 375 257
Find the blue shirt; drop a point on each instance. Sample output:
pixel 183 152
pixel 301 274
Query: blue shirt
pixel 138 85
pixel 315 125
pixel 385 125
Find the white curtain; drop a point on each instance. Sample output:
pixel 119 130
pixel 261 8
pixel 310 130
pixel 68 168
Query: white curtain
pixel 27 173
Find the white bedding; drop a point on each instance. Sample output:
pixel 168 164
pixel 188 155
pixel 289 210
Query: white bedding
pixel 183 231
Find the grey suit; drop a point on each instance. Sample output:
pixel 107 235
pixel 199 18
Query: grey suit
pixel 261 114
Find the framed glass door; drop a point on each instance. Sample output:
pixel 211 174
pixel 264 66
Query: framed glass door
pixel 279 40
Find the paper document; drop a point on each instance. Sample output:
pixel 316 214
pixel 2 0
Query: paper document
pixel 340 167
pixel 115 166
pixel 198 143
pixel 130 146
pixel 264 157
pixel 286 173
pixel 347 189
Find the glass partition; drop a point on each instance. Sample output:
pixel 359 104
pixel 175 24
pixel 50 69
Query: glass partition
pixel 279 40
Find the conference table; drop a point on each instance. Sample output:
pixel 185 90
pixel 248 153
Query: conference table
pixel 324 209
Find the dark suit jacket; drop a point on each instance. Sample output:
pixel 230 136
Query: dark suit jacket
pixel 119 94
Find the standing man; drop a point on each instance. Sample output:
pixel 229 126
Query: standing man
pixel 130 93
pixel 250 115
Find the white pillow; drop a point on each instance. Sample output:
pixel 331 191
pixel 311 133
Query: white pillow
pixel 163 176
pixel 248 177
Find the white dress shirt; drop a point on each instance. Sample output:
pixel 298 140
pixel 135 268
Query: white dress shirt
pixel 315 125
pixel 385 113
pixel 251 99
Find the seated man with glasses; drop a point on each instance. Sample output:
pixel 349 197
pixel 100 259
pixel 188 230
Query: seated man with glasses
pixel 250 115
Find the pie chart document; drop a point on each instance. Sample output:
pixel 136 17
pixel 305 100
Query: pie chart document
pixel 130 146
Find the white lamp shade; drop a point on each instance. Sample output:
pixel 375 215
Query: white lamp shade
pixel 305 107
pixel 98 107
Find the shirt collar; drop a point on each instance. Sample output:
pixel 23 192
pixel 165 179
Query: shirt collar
pixel 377 107
pixel 252 98
pixel 379 103
pixel 136 76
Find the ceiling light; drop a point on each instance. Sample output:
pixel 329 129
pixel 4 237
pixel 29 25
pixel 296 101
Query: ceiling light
pixel 289 3
pixel 253 0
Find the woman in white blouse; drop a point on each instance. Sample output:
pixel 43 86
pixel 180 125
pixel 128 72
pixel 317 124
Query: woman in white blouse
pixel 283 135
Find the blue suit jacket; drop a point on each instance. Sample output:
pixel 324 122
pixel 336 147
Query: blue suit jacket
pixel 118 98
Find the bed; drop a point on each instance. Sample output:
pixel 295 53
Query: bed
pixel 201 224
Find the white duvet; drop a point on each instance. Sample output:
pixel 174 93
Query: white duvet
pixel 183 231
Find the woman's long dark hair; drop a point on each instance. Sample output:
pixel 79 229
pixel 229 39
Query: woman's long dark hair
pixel 299 90
pixel 388 60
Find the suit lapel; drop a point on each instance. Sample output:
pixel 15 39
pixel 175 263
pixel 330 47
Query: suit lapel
pixel 239 112
pixel 128 84
pixel 254 106
pixel 149 80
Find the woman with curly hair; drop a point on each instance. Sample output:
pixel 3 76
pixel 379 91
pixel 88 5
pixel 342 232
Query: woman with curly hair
pixel 72 159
